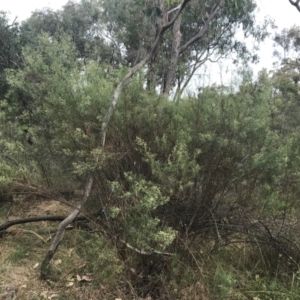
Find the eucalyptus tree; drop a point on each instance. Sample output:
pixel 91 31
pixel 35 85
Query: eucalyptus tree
pixel 205 30
pixel 120 33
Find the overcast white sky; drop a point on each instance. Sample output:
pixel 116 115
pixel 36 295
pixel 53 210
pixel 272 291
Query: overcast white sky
pixel 23 8
pixel 284 14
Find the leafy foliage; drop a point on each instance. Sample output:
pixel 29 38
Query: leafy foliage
pixel 10 49
pixel 174 179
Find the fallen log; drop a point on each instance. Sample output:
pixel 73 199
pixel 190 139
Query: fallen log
pixel 11 223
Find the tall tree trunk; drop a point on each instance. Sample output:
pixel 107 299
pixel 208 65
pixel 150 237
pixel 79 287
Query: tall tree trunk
pixel 174 57
pixel 177 49
pixel 151 76
pixel 153 63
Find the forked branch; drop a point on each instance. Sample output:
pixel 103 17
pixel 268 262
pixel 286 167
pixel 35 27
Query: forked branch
pixel 296 3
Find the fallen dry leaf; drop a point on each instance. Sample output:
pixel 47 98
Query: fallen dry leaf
pixel 86 278
pixel 69 284
pixel 58 262
pixel 36 265
pixel 70 278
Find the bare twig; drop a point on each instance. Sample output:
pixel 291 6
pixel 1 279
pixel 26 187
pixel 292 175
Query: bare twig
pixel 34 233
pixel 145 252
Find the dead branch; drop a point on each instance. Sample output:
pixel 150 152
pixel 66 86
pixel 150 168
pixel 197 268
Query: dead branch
pixel 61 228
pixel 11 223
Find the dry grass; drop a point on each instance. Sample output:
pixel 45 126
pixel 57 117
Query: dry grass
pixel 195 291
pixel 24 246
pixel 22 250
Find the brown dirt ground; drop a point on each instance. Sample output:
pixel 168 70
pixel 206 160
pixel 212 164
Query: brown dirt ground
pixel 23 248
pixel 19 279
